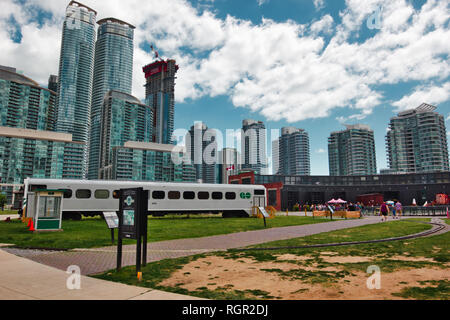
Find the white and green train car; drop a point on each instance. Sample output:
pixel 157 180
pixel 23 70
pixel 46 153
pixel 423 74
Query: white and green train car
pixel 93 197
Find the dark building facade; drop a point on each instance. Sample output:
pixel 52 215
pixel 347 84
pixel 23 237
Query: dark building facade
pixel 320 189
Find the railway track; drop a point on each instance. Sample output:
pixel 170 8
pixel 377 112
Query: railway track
pixel 437 227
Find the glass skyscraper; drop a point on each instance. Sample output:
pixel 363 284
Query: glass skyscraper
pixel 416 141
pixel 352 151
pixel 76 65
pixel 201 145
pixel 293 148
pixel 29 147
pixel 253 145
pixel 113 70
pixel 124 118
pixel 126 150
pixel 148 161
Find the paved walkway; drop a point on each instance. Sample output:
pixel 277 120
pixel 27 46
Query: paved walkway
pixel 23 279
pixel 98 260
pixel 11 216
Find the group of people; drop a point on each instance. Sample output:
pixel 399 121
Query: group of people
pixel 395 208
pixel 336 207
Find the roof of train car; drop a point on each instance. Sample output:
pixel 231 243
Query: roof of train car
pixel 143 183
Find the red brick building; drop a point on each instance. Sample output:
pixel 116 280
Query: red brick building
pixel 273 189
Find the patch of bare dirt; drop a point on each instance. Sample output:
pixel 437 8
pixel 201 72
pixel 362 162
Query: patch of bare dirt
pixel 293 257
pixel 329 253
pixel 215 272
pixel 346 259
pixel 414 259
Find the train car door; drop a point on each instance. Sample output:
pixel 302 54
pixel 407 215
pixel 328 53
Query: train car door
pixel 259 201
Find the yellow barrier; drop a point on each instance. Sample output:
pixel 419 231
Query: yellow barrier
pixel 353 214
pixel 341 214
pixel 271 211
pixel 321 213
pixel 257 213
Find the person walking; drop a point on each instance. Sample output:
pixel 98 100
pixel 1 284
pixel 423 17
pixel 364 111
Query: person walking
pixel 393 210
pixel 398 208
pixel 384 209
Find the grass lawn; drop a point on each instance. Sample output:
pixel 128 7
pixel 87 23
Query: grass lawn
pixel 306 274
pixel 369 232
pixel 93 232
pixel 5 212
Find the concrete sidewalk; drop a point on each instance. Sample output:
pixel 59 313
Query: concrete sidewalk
pixel 23 279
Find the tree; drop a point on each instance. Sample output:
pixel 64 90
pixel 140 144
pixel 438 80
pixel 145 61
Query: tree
pixel 3 200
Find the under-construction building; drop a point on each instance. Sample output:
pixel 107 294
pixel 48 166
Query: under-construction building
pixel 160 95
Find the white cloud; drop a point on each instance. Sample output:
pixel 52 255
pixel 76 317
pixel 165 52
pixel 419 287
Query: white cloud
pixel 325 25
pixel 431 95
pixel 282 70
pixel 261 2
pixel 320 150
pixel 319 4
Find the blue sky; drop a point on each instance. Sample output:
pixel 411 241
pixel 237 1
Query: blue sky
pixel 312 64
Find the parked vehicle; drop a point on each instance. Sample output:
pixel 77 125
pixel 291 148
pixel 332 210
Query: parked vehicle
pixel 93 197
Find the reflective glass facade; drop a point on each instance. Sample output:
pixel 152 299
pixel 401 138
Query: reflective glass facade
pixel 76 66
pixel 201 144
pixel 293 148
pixel 352 151
pixel 27 107
pixel 148 165
pixel 24 104
pixel 23 158
pixel 124 119
pixel 253 146
pixel 417 141
pixel 113 70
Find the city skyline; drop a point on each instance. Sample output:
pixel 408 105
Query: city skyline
pixel 312 24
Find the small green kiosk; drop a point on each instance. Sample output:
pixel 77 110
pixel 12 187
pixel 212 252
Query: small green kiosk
pixel 45 208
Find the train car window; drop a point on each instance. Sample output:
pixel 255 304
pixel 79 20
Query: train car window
pixel 116 194
pixel 83 193
pixel 259 192
pixel 189 195
pixel 158 194
pixel 101 194
pixel 174 195
pixel 230 195
pixel 34 187
pixel 203 195
pixel 217 195
pixel 67 193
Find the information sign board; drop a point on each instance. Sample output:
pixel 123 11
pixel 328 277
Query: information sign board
pixel 112 220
